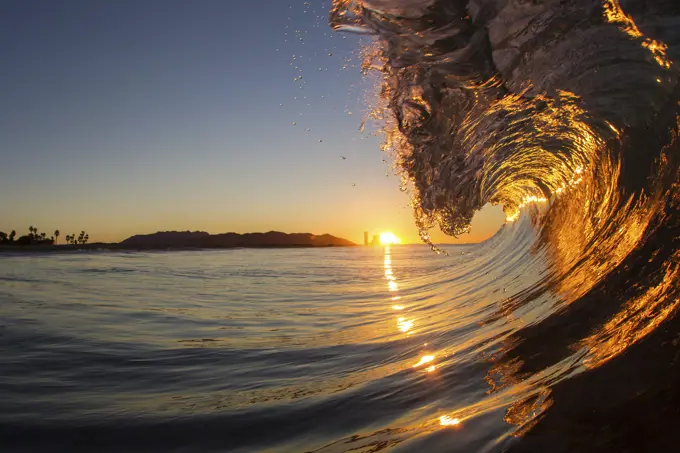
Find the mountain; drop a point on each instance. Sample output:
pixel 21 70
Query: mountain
pixel 200 239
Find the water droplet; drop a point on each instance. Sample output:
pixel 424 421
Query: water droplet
pixel 294 123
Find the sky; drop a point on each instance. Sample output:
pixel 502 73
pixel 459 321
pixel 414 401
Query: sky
pixel 121 117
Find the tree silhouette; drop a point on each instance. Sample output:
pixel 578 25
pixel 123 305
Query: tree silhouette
pixel 73 239
pixel 82 238
pixel 37 238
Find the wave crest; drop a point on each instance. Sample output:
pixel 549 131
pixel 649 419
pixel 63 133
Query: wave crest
pixel 507 102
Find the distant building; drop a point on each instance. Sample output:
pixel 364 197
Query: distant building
pixel 376 240
pixel 365 237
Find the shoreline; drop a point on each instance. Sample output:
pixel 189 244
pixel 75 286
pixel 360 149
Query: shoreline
pixel 117 247
pixel 120 248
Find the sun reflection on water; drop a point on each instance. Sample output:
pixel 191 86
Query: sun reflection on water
pixel 424 360
pixel 404 324
pixel 445 420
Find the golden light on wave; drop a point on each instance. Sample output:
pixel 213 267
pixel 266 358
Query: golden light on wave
pixel 445 420
pixel 614 14
pixel 405 325
pixel 388 238
pixel 424 360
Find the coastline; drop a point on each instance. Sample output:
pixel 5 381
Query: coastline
pixel 103 247
pixel 186 240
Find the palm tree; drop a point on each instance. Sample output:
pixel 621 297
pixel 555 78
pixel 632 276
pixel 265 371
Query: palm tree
pixel 86 238
pixel 12 235
pixel 56 236
pixel 30 231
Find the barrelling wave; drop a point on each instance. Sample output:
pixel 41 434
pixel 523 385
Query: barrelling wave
pixel 562 111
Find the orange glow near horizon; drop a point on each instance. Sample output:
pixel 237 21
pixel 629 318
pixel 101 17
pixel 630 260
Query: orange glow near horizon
pixel 388 238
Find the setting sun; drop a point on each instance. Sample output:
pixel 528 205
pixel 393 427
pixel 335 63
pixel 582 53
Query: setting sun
pixel 388 239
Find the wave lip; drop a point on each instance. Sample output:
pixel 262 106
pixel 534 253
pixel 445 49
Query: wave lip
pixel 505 102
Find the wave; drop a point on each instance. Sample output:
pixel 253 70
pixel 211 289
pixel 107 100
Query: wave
pixel 564 113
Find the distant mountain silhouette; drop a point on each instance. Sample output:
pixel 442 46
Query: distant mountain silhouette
pixel 200 239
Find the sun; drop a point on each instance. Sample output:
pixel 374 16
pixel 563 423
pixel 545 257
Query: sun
pixel 388 239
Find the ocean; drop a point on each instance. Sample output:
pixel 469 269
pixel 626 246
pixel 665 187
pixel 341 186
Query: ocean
pixel 331 349
pixel 326 350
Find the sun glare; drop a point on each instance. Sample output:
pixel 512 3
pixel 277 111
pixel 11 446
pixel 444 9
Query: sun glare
pixel 388 239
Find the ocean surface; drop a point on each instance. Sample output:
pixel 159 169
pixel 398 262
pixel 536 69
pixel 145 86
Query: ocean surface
pixel 249 350
pixel 327 350
pixel 333 349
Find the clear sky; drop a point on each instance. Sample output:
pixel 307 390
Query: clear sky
pixel 132 116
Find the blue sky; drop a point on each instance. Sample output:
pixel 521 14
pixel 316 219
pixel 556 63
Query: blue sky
pixel 123 117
